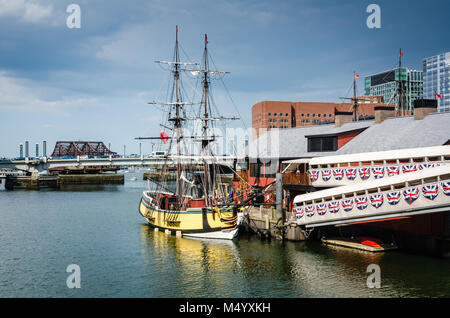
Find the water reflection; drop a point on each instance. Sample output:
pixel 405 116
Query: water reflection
pixel 251 268
pixel 200 268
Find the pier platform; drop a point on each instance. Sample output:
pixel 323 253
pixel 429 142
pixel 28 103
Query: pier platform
pixel 267 223
pixel 56 181
pixel 365 244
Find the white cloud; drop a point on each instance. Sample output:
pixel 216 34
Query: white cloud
pixel 23 95
pixel 26 10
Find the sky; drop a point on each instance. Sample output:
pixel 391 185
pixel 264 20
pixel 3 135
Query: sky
pixel 95 82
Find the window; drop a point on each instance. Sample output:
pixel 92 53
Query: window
pixel 320 144
pixel 318 115
pixel 287 114
pixel 303 115
pixel 274 114
pixel 269 114
pixel 255 170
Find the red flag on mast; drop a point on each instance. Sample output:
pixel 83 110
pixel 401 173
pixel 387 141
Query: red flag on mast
pixel 164 136
pixel 439 95
pixel 207 39
pixel 401 52
pixel 356 75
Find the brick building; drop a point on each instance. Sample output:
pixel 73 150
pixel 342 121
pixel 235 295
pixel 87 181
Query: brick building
pixel 268 115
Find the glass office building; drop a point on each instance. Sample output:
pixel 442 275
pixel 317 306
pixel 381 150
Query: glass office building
pixel 436 78
pixel 386 84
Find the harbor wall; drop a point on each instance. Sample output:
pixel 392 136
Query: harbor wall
pixel 38 182
pixel 268 223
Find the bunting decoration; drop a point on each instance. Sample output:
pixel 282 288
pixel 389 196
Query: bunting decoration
pixel 393 197
pixel 446 187
pixel 321 208
pixel 326 174
pixel 338 174
pixel 378 172
pixel 309 210
pixel 313 175
pixel 411 194
pixel 376 200
pixel 409 168
pixel 361 202
pixel 393 170
pixel 425 166
pixel 333 206
pixel 364 173
pixel 347 204
pixel 430 191
pixel 350 173
pixel 298 212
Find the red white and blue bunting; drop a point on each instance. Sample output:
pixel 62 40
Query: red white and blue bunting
pixel 298 212
pixel 361 202
pixel 446 187
pixel 364 173
pixel 376 200
pixel 430 191
pixel 313 175
pixel 326 174
pixel 393 170
pixel 321 208
pixel 426 165
pixel 309 210
pixel 347 204
pixel 411 194
pixel 338 174
pixel 409 168
pixel 333 206
pixel 393 197
pixel 350 173
pixel 378 172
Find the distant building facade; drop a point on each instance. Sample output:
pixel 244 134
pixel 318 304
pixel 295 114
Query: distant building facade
pixel 436 79
pixel 269 115
pixel 386 84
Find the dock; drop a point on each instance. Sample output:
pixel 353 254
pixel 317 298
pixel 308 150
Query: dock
pixel 56 181
pixel 267 223
pixel 365 245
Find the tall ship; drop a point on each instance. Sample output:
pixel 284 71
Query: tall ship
pixel 199 202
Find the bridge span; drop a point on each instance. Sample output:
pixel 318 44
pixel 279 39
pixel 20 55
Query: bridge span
pixel 36 165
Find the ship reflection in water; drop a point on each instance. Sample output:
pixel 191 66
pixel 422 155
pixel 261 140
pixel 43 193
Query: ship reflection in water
pixel 251 268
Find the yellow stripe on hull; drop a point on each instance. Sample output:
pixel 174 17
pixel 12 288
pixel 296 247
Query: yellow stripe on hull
pixel 192 220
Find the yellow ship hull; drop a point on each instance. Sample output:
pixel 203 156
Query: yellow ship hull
pixel 208 222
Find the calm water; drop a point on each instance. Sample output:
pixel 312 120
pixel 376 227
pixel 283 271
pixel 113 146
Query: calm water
pixel 99 229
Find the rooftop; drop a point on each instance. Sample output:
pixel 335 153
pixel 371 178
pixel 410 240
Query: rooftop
pixel 391 134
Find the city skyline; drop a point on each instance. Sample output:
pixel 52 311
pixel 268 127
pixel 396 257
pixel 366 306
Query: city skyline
pixel 94 83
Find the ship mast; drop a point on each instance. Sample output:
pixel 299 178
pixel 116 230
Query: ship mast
pixel 355 102
pixel 177 119
pixel 205 140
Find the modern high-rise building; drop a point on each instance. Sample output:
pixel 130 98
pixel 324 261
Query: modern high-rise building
pixel 386 84
pixel 436 79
